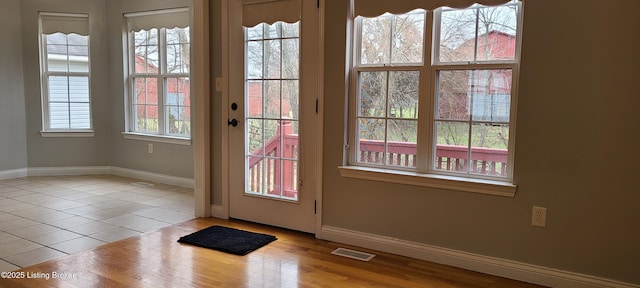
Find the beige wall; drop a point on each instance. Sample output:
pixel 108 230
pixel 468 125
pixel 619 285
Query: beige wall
pixel 577 135
pixel 576 151
pixel 215 19
pixel 60 152
pixel 13 139
pixel 167 159
pixel 22 146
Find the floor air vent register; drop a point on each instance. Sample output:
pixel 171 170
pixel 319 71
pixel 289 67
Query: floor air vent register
pixel 363 256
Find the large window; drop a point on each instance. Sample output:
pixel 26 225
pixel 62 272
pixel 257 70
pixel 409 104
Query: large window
pixel 65 81
pixel 433 91
pixel 159 83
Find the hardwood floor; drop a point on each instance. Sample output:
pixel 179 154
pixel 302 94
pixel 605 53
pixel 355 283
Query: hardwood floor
pixel 296 259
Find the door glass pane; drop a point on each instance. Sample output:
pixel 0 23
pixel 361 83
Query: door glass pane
pixel 291 30
pixel 290 99
pixel 272 94
pixel 255 137
pixel 290 58
pixel 272 110
pixel 254 98
pixel 290 139
pixel 272 56
pixel 254 59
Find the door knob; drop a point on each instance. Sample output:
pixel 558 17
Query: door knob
pixel 233 122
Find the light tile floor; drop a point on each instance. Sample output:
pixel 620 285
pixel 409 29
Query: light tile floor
pixel 43 218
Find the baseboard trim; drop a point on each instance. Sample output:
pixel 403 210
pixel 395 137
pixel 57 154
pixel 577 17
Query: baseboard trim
pixel 154 177
pixel 14 173
pixel 97 170
pixel 475 262
pixel 67 171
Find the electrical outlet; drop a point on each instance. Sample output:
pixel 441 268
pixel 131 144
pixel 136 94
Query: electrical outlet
pixel 539 216
pixel 150 148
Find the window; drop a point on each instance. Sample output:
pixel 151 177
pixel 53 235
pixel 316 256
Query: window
pixel 159 84
pixel 65 80
pixel 273 112
pixel 433 90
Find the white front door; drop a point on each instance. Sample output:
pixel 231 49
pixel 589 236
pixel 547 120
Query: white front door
pixel 272 119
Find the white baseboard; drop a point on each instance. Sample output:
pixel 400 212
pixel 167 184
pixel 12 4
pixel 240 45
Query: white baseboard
pixel 64 171
pixel 154 177
pixel 217 211
pixel 475 262
pixel 14 173
pixel 97 170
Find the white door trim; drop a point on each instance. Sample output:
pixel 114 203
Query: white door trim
pixel 202 108
pixel 224 113
pixel 320 120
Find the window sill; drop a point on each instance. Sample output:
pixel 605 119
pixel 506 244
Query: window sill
pixel 491 187
pixel 157 138
pixel 67 133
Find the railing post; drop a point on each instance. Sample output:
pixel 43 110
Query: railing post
pixel 287 153
pixel 448 157
pixel 277 163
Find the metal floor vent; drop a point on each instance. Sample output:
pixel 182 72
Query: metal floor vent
pixel 142 184
pixel 353 254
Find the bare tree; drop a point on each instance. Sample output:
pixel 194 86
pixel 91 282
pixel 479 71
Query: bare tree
pixel 178 50
pixel 273 60
pixel 388 40
pixel 476 34
pixel 388 100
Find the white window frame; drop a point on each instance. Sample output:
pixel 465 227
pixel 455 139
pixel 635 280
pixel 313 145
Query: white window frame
pixel 74 22
pixel 425 173
pixel 161 77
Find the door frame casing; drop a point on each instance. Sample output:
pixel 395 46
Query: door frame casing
pixel 201 137
pixel 202 170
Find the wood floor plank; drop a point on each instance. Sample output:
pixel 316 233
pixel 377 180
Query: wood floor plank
pixel 294 260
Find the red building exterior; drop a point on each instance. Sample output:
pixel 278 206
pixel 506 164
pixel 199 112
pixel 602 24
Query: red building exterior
pixel 146 89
